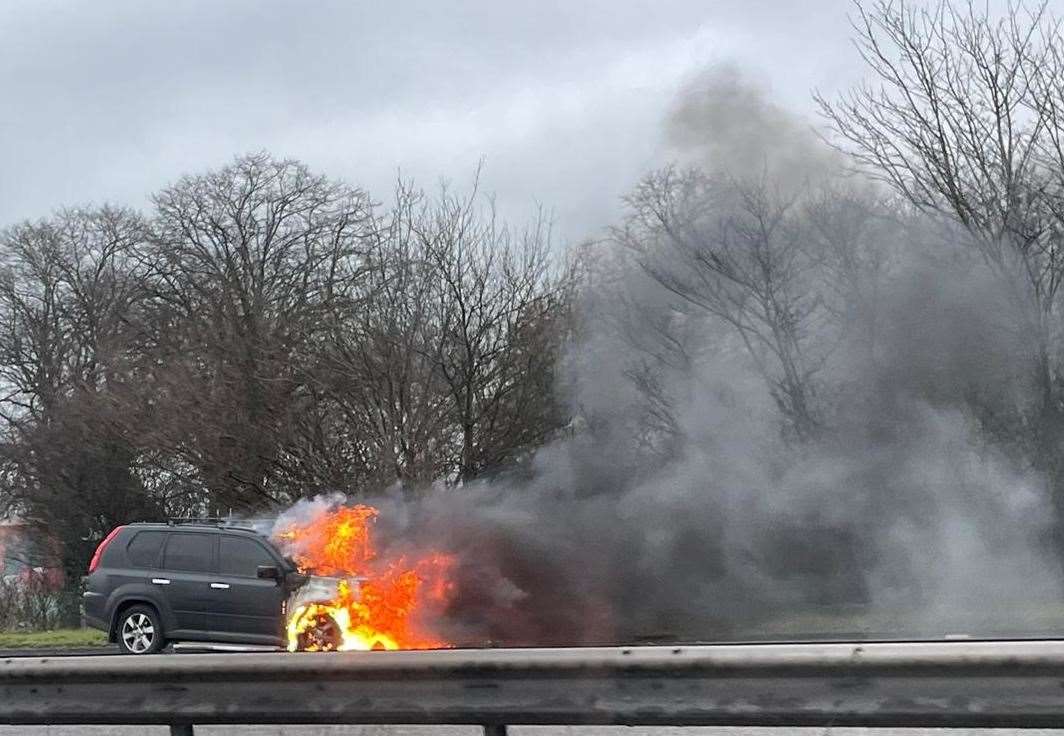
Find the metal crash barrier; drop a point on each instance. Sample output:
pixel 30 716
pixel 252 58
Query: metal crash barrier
pixel 949 684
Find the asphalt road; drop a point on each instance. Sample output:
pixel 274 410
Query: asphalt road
pixel 515 731
pixel 64 652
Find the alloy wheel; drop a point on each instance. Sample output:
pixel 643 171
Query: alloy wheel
pixel 138 633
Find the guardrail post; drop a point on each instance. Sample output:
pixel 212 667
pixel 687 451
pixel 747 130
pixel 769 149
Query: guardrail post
pixel 495 729
pixel 181 729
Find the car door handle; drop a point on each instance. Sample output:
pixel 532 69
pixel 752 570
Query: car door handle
pixel 161 581
pixel 220 586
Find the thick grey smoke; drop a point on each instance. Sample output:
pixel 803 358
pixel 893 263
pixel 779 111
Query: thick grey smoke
pixel 723 120
pixel 677 508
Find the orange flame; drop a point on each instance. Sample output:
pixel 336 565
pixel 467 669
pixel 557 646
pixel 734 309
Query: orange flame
pixel 393 597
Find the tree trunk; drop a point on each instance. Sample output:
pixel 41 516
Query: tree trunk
pixel 468 461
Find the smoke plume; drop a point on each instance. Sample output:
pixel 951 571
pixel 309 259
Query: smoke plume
pixel 677 508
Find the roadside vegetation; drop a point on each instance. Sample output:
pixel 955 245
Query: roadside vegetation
pixel 54 638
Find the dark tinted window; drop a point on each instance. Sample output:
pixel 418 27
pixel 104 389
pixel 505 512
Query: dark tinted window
pixel 189 552
pixel 143 549
pixel 241 556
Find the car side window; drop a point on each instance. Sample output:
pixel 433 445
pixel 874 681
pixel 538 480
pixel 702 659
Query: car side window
pixel 188 552
pixel 143 549
pixel 242 557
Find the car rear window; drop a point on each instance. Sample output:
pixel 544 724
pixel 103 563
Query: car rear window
pixel 242 557
pixel 188 552
pixel 143 549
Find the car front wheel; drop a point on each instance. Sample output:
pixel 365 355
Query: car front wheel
pixel 140 631
pixel 321 634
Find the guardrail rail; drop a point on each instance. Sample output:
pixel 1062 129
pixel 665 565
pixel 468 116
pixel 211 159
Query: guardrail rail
pixel 1014 684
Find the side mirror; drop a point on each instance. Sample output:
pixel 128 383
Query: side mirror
pixel 268 572
pixel 295 580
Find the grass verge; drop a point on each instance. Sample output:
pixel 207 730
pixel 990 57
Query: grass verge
pixel 55 639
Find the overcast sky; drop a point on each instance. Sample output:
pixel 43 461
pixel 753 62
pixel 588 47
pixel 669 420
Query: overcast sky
pixel 107 100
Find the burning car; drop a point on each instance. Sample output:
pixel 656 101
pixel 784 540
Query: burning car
pixel 358 597
pixel 225 586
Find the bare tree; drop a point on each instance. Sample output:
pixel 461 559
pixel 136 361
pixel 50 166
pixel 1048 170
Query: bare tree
pixel 663 337
pixel 498 307
pixel 266 334
pixel 962 119
pixel 67 294
pixel 852 232
pixel 248 263
pixel 380 373
pixel 739 253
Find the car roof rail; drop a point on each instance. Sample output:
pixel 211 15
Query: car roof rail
pixel 196 520
pixel 219 522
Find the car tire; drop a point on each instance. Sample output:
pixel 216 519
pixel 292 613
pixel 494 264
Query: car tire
pixel 323 635
pixel 139 630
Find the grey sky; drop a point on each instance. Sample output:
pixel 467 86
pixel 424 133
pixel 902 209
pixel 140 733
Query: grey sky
pixel 107 100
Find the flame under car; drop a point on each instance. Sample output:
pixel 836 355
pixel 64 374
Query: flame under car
pixel 316 623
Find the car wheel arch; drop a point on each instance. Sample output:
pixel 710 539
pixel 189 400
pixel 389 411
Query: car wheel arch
pixel 124 605
pixel 134 593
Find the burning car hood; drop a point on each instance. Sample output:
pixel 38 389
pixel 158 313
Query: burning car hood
pixel 321 589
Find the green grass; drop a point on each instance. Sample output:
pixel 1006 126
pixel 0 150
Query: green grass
pixel 55 639
pixel 1020 618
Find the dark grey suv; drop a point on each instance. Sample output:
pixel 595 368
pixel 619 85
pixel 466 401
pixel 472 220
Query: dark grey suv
pixel 149 584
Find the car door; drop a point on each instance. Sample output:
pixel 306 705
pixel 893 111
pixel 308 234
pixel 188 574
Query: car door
pixel 136 561
pixel 248 605
pixel 187 571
